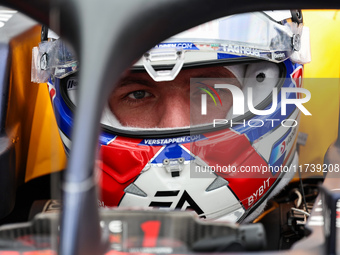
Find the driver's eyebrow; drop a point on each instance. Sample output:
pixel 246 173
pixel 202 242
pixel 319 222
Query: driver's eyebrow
pixel 130 80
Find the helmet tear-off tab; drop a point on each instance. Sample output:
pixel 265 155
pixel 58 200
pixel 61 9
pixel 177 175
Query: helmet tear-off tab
pixel 171 54
pixel 173 166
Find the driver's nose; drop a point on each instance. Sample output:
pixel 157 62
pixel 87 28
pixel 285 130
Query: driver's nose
pixel 174 111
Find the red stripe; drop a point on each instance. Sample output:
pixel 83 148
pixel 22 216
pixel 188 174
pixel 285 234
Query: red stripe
pixel 151 231
pixel 52 93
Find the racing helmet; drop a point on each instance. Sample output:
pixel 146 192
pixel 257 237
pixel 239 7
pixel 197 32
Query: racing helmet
pixel 199 121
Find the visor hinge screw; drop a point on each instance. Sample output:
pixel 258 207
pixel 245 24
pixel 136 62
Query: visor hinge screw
pixel 296 42
pixel 260 77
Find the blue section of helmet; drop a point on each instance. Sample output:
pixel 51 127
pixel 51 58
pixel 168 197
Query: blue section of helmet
pixel 172 151
pixel 64 116
pixel 106 138
pixel 62 113
pixel 255 133
pixel 226 55
pixel 183 45
pixel 176 140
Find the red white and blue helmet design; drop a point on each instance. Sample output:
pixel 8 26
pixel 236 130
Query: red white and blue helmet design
pixel 222 169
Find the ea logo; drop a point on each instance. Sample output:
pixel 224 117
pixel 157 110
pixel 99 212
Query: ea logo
pixel 283 147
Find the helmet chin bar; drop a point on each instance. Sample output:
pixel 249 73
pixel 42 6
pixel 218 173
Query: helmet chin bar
pixel 171 54
pixel 173 185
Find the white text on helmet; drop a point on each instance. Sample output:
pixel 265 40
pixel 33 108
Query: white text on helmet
pixel 241 50
pixel 176 45
pixel 259 192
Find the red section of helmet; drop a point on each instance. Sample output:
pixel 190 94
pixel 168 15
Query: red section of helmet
pixel 124 159
pixel 231 150
pixel 121 162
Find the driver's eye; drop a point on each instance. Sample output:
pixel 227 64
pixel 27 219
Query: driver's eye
pixel 139 94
